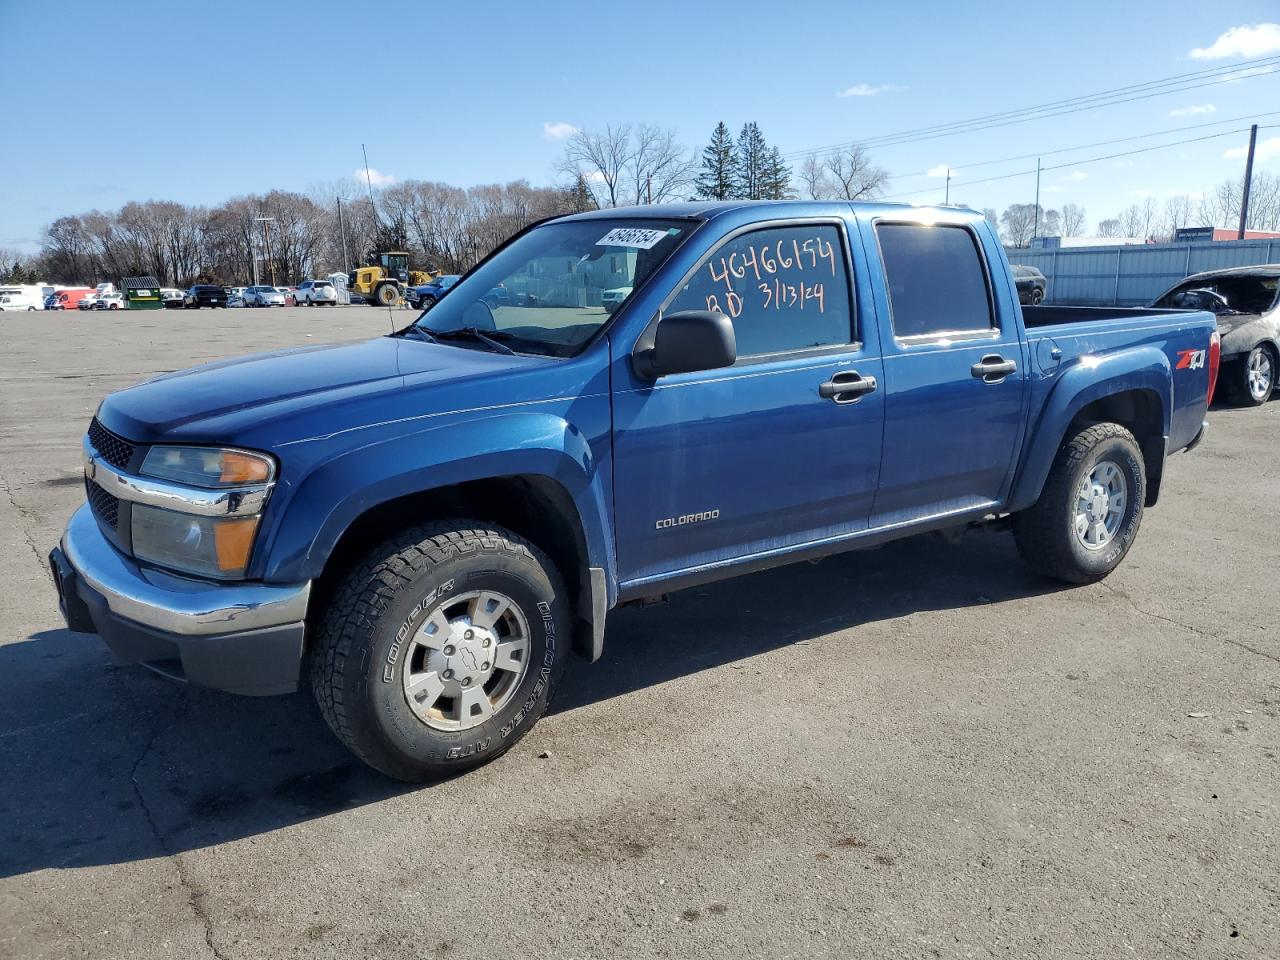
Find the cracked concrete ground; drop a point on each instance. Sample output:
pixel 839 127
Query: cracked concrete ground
pixel 921 751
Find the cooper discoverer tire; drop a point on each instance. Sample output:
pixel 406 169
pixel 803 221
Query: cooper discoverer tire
pixel 1090 507
pixel 424 632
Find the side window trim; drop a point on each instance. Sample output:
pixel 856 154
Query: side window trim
pixel 993 330
pixel 855 342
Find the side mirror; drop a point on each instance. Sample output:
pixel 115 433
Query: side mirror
pixel 685 342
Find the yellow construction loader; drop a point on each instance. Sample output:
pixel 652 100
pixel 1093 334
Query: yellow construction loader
pixel 384 283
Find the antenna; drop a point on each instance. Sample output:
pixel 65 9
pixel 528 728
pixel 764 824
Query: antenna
pixel 369 183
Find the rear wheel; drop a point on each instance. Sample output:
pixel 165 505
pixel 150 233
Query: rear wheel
pixel 387 295
pixel 1090 508
pixel 1036 296
pixel 441 649
pixel 1251 382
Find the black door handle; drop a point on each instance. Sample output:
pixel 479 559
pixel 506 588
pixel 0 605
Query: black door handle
pixel 993 368
pixel 847 387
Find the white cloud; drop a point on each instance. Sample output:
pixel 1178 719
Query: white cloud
pixel 594 176
pixel 558 130
pixel 1245 42
pixel 1268 149
pixel 376 177
pixel 868 90
pixel 1194 110
pixel 941 170
pixel 1053 189
pixel 1077 175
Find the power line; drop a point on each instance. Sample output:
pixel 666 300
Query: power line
pixel 1080 163
pixel 1262 66
pixel 1085 146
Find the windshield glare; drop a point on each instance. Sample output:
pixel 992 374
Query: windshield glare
pixel 546 291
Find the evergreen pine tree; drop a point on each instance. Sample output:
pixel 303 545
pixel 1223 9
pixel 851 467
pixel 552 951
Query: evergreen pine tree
pixel 776 180
pixel 752 156
pixel 719 162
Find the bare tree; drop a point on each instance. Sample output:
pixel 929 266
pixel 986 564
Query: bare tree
pixel 813 179
pixel 1072 220
pixel 601 159
pixel 853 175
pixel 1017 224
pixel 659 167
pixel 1110 228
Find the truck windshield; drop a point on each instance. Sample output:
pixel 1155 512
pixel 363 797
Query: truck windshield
pixel 545 292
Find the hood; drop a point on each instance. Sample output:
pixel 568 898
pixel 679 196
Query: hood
pixel 219 401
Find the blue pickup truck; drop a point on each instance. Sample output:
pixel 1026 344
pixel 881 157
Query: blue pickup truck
pixel 424 526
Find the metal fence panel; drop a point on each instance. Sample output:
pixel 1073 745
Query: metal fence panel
pixel 1137 274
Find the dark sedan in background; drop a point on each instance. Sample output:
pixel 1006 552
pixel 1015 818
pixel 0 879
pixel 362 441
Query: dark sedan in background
pixel 1031 284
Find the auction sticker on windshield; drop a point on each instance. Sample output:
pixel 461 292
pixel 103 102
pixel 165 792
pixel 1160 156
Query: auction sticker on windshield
pixel 632 237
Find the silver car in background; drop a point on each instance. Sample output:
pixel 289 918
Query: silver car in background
pixel 263 297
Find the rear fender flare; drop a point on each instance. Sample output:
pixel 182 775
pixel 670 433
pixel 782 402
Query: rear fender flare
pixel 1088 379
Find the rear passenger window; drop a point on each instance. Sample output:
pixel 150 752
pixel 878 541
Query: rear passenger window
pixel 784 288
pixel 936 279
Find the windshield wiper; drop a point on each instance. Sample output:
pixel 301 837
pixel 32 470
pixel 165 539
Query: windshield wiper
pixel 491 338
pixel 417 333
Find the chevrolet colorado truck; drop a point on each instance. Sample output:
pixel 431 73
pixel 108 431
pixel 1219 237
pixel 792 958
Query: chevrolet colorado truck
pixel 425 526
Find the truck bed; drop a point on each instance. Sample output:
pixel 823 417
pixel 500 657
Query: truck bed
pixel 1034 317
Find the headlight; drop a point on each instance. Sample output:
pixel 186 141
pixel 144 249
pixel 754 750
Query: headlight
pixel 207 466
pixel 194 541
pixel 207 546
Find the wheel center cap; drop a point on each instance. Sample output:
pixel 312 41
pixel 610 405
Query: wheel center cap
pixel 467 657
pixel 1098 508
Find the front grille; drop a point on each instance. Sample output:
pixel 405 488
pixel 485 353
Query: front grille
pixel 115 450
pixel 105 506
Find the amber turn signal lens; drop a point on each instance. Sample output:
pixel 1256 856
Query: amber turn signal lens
pixel 244 468
pixel 233 539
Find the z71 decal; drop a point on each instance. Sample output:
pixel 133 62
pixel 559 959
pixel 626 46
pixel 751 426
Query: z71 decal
pixel 1190 359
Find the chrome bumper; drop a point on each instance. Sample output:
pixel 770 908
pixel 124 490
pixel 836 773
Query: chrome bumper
pixel 170 603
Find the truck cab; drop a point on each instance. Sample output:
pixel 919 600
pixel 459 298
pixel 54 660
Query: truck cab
pixel 425 524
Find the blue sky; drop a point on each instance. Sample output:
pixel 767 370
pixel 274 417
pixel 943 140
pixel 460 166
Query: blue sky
pixel 230 98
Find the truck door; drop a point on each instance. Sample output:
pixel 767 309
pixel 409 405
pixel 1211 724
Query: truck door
pixel 780 449
pixel 955 372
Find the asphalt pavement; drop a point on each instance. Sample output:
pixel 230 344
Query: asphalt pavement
pixel 923 750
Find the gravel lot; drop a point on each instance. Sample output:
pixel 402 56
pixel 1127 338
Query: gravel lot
pixel 919 751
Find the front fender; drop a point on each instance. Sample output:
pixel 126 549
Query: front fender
pixel 1088 379
pixel 334 494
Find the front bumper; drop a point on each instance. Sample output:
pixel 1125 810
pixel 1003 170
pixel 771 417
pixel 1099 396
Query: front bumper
pixel 240 637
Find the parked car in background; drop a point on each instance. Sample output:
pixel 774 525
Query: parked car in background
pixel 172 299
pixel 612 299
pixel 425 295
pixel 312 293
pixel 423 526
pixel 90 301
pixel 261 296
pixel 287 292
pixel 235 300
pixel 1031 284
pixel 205 295
pixel 109 301
pixel 1246 301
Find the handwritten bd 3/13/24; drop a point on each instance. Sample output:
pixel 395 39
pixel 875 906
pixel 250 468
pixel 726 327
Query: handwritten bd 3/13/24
pixel 784 273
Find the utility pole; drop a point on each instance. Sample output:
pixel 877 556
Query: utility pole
pixel 266 246
pixel 1035 229
pixel 368 179
pixel 342 229
pixel 253 254
pixel 1248 179
pixel 947 201
pixel 648 188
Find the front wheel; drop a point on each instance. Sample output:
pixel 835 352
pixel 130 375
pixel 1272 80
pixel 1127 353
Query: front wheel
pixel 1090 509
pixel 1037 295
pixel 441 649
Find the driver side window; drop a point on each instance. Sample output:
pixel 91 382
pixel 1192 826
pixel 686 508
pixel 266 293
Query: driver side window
pixel 783 288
